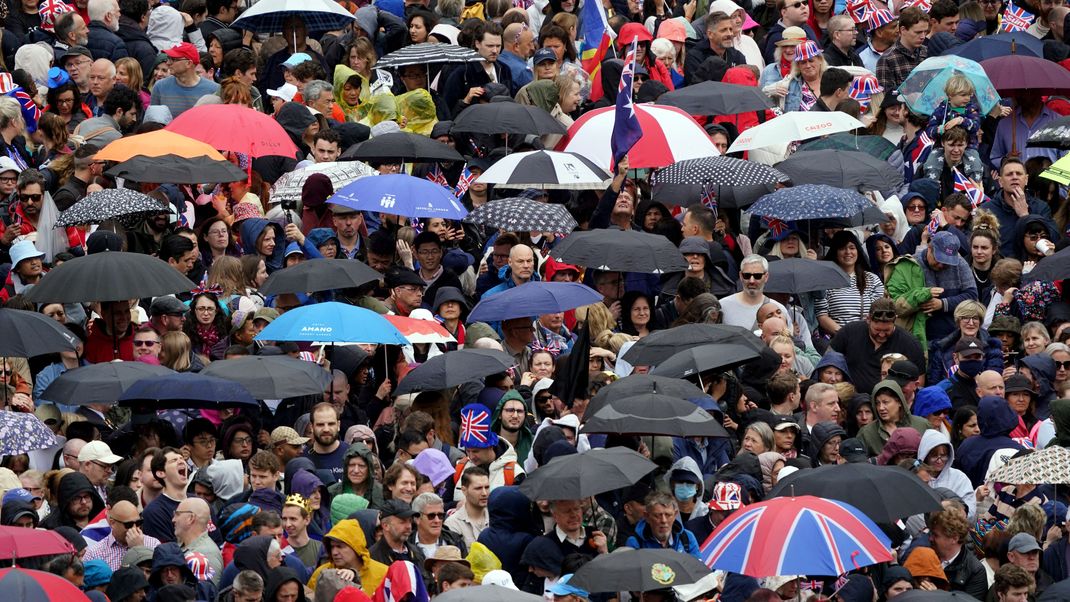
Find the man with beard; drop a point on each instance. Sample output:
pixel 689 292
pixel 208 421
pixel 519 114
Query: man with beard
pixel 118 111
pixel 77 501
pixel 510 422
pixel 75 187
pixel 170 470
pixel 327 450
pixel 22 216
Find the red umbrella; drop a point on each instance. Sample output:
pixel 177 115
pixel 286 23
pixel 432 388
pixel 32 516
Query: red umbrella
pixel 416 330
pixel 17 542
pixel 1027 73
pixel 38 586
pixel 235 128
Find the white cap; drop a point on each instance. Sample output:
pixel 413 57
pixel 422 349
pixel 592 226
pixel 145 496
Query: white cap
pixel 286 92
pixel 8 164
pixel 98 451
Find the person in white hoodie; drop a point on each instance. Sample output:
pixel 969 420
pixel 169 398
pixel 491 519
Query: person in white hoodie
pixel 936 451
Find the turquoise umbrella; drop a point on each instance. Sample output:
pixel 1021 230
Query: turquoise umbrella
pixel 923 89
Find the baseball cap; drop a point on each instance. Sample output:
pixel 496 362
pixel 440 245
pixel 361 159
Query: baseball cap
pixel 396 508
pixel 167 305
pixel 853 451
pixel 969 346
pixel 74 51
pixel 286 92
pixel 8 164
pixel 563 588
pixel 19 494
pixel 267 314
pixel 1023 543
pixel 97 572
pixel 903 371
pixel 98 451
pixel 681 475
pixel 288 435
pixel 184 50
pixel 48 411
pixel 781 423
pixel 296 59
pixel 544 54
pixel 945 247
pixel 137 555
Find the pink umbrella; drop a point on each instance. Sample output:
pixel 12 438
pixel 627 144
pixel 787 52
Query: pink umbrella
pixel 235 128
pixel 17 543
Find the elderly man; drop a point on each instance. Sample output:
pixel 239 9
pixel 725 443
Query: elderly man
pixel 429 535
pixel 97 463
pixel 103 23
pixel 518 45
pixel 569 535
pixel 406 290
pixel 101 81
pixel 125 522
pixel 662 528
pixel 191 532
pixel 519 270
pixel 741 309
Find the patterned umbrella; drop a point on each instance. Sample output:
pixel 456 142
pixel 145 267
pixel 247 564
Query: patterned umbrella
pixel 21 432
pixel 128 206
pixel 416 330
pixel 546 169
pixel 1049 465
pixel 719 171
pixel 810 201
pixel 288 187
pixel 923 89
pixel 802 535
pixel 427 53
pixel 841 169
pixel 1054 134
pixel 517 214
pixel 267 16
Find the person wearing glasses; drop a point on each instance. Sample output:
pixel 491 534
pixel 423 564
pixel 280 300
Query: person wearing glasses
pixel 842 36
pixel 21 218
pixel 937 452
pixel 741 309
pixel 125 522
pixel 968 318
pixel 184 87
pixel 793 13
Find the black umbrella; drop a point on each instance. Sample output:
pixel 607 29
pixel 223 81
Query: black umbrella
pixel 620 251
pixel 427 53
pixel 659 346
pixel 640 384
pixel 319 275
pixel 99 383
pixel 177 170
pixel 579 476
pixel 124 204
pixel 794 276
pixel 573 375
pixel 182 390
pixel 842 169
pixel 1054 134
pixel 272 377
pixel 639 571
pixel 517 214
pixel 682 195
pixel 920 595
pixel 486 593
pixel 108 276
pixel 1051 268
pixel 878 146
pixel 28 334
pixel 454 368
pixel 503 116
pixel 704 358
pixel 718 171
pixel 717 98
pixel 883 493
pixel 402 145
pixel 653 414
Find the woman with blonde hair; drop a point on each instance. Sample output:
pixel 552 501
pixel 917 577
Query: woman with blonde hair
pixel 128 73
pixel 175 350
pixel 226 273
pixel 801 88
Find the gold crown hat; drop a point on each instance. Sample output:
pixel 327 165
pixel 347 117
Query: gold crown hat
pixel 298 500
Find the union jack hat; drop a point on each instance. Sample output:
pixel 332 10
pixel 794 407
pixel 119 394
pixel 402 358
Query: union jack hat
pixel 727 497
pixel 50 11
pixel 475 427
pixel 863 88
pixel 807 50
pixel 879 18
pixel 198 563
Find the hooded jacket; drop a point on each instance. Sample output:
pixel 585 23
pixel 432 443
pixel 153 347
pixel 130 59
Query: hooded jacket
pixel 371 572
pixel 680 539
pixel 280 576
pixel 375 495
pixel 902 441
pixel 950 477
pixel 874 436
pixel 836 360
pixel 1043 369
pixel 940 351
pixel 305 482
pixel 343 74
pixel 524 436
pixel 170 554
pixel 996 420
pixel 1022 226
pixel 1060 418
pixel 510 529
pixel 904 282
pixel 13 510
pixel 688 464
pixel 251 555
pixel 820 435
pixel 718 450
pixel 71 486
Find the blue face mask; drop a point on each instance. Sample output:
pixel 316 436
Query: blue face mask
pixel 685 491
pixel 971 368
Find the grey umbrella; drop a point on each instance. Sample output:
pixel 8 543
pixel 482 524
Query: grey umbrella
pixel 639 384
pixel 28 334
pixel 579 476
pixel 841 168
pixel 272 377
pixel 704 358
pixel 653 415
pixel 663 344
pixel 109 276
pixel 319 274
pixel 503 116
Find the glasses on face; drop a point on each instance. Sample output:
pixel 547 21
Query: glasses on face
pixel 204 441
pixel 30 198
pixel 103 466
pixel 434 515
pixel 1063 365
pixel 915 208
pixel 513 411
pixel 751 275
pixel 795 5
pixel 429 252
pixel 9 179
pixel 411 288
pixel 1034 236
pixel 243 440
pixel 207 309
pixel 940 458
pixel 130 524
pixel 218 232
pixel 144 343
pixel 969 319
pixel 65 101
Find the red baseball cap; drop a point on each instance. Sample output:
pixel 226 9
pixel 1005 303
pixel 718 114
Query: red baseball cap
pixel 185 50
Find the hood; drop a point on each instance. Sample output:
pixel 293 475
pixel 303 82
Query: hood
pixel 351 534
pixel 175 593
pixel 125 582
pixel 542 94
pixel 903 440
pixel 823 431
pixel 933 438
pixel 1060 418
pixel 367 20
pixel 343 74
pixel 931 400
pixel 725 6
pixel 292 467
pixel 609 78
pixel 280 576
pixel 251 229
pixel 633 31
pixel 305 482
pixel 891 385
pixel 1043 369
pixel 895 207
pixel 359 449
pixel 169 554
pixel 251 554
pixel 496 417
pixel 689 464
pixel 508 509
pixel 319 236
pixel 295 119
pixel 228 478
pixel 165 27
pixel 836 360
pixel 871 245
pixel 1022 226
pixel 368 520
pixel 740 75
pixel 994 417
pixel 75 484
pixel 228 38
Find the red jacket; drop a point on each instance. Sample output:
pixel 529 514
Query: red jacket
pixel 75 236
pixel 100 347
pixel 654 67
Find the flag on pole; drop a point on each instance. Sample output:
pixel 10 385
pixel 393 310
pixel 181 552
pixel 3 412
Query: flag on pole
pixel 467 177
pixel 1015 18
pixel 626 128
pixel 436 176
pixel 968 188
pixel 596 35
pixel 709 198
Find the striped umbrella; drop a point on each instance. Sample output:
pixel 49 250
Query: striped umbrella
pixel 416 330
pixel 267 16
pixel 802 535
pixel 546 169
pixel 427 53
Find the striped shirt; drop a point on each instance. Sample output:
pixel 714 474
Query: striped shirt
pixel 179 98
pixel 111 552
pixel 848 304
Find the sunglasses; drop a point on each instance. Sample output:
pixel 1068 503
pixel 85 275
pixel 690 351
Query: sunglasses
pixel 131 523
pixel 34 198
pixel 795 5
pixel 1064 365
pixel 144 343
pixel 434 515
pixel 883 316
pixel 751 275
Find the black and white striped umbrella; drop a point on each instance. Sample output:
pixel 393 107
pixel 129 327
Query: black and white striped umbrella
pixel 127 206
pixel 718 171
pixel 518 214
pixel 546 169
pixel 426 53
pixel 288 187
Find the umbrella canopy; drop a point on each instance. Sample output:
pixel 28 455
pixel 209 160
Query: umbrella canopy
pixel 267 16
pixel 505 117
pixel 796 536
pixel 923 89
pixel 659 346
pixel 653 414
pixel 99 383
pixel 17 543
pixel 718 171
pixel 487 593
pixel 842 169
pixel 332 322
pixel 1058 172
pixel 26 585
pixel 402 145
pixel 639 571
pixel 272 376
pixel 454 368
pixel 177 170
pixel 1001 44
pixel 547 170
pixel 518 214
pixel 29 334
pixel 109 276
pixel 796 125
pixel 727 197
pixel 621 251
pixel 884 493
pixel 187 390
pixel 669 135
pixel 421 331
pixel 428 53
pixel 157 144
pixel 795 276
pixel 810 201
pixel 129 206
pixel 920 595
pixel 716 98
pixel 579 476
pixel 319 274
pixel 875 146
pixel 400 194
pixel 1050 465
pixel 21 432
pixel 705 358
pixel 237 128
pixel 1051 268
pixel 1027 73
pixel 641 384
pixel 288 187
pixel 1054 134
pixel 533 299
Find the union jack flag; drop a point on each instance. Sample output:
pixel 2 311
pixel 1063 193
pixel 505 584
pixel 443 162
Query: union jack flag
pixel 709 198
pixel 475 425
pixel 437 177
pixel 50 10
pixel 776 227
pixel 463 184
pixel 924 5
pixel 934 225
pixel 1015 18
pixel 968 188
pixel 860 10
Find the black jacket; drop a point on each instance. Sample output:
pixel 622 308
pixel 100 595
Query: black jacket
pixel 838 58
pixel 965 574
pixel 138 45
pixel 104 44
pixel 471 76
pixel 70 486
pixel 698 53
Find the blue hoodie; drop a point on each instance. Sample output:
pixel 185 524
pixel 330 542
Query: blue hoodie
pixel 996 420
pixel 1043 369
pixel 718 449
pixel 253 227
pixel 680 539
pixel 836 360
pixel 508 533
pixel 931 400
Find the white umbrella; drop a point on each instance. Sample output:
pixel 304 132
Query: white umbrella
pixel 288 187
pixel 795 126
pixel 267 16
pixel 546 169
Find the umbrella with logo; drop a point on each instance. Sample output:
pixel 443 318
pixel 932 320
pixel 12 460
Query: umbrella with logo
pixel 841 169
pixel 29 334
pixel 533 299
pixel 793 126
pixel 584 475
pixel 620 251
pixel 653 414
pixel 99 383
pixel 27 585
pixel 659 346
pixel 187 390
pixel 111 276
pixel 319 274
pixel 810 201
pixel 128 206
pixel 519 214
pixel 267 16
pixel 1050 465
pixel 705 358
pixel 399 194
pixel 288 187
pixel 332 322
pixel 546 170
pixel 21 432
pixel 454 368
pixel 795 276
pixel 717 98
pixel 639 571
pixel 428 53
pixel 884 493
pixel 402 145
pixel 503 116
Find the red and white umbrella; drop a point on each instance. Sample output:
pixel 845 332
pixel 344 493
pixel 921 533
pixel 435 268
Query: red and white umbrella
pixel 416 330
pixel 669 135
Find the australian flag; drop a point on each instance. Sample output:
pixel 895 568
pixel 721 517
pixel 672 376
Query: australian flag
pixel 968 188
pixel 626 128
pixel 1015 18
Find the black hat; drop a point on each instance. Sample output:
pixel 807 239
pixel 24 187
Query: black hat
pixel 403 276
pixel 780 423
pixel 74 51
pixel 903 371
pixel 1018 384
pixel 970 345
pixel 449 293
pixel 396 508
pixel 853 451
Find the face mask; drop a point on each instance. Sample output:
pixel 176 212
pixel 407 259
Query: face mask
pixel 685 491
pixel 971 368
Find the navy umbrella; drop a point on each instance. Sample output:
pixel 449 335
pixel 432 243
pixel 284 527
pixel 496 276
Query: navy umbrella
pixel 99 383
pixel 810 201
pixel 1001 44
pixel 28 334
pixel 534 299
pixel 187 390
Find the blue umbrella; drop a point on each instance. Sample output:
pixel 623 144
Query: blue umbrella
pixel 810 201
pixel 400 194
pixel 21 432
pixel 332 322
pixel 923 89
pixel 989 47
pixel 187 390
pixel 533 299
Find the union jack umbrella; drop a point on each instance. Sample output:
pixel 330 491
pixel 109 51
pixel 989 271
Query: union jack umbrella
pixel 50 10
pixel 802 535
pixel 421 331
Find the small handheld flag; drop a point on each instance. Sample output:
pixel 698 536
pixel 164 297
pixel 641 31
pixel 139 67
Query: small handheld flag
pixel 1015 18
pixel 626 128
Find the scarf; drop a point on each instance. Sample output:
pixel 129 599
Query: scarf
pixel 209 337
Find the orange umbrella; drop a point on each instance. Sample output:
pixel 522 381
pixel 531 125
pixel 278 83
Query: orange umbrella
pixel 156 144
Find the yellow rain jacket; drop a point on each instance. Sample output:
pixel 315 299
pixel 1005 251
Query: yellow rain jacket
pixel 371 573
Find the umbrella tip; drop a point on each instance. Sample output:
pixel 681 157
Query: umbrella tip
pixel 1014 46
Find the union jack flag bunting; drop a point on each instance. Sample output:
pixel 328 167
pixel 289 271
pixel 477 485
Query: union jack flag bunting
pixel 465 182
pixel 709 198
pixel 860 10
pixel 968 188
pixel 776 227
pixel 1015 18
